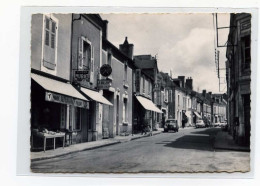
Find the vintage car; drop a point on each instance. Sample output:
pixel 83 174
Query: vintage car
pixel 200 124
pixel 171 124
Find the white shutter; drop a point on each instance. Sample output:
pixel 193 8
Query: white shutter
pixel 91 69
pixel 80 55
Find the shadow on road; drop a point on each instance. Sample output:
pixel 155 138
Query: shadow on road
pixel 209 131
pixel 197 140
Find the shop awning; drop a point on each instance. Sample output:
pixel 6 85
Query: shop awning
pixel 96 96
pixel 148 104
pixel 57 86
pixel 197 114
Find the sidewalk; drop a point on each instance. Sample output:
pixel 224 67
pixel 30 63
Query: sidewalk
pixel 225 141
pixel 87 146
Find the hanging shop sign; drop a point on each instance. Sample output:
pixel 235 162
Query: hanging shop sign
pixel 58 98
pixel 81 75
pixel 104 83
pixel 105 70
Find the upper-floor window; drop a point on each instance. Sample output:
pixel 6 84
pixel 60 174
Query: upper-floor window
pixel 86 57
pixel 166 95
pixel 50 42
pixel 178 100
pixel 125 71
pixel 109 61
pixel 170 95
pixel 246 51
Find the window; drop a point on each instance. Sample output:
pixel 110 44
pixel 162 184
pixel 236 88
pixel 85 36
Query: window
pixel 50 38
pixel 77 118
pixel 125 110
pixel 86 57
pixel 170 96
pixel 125 69
pixel 109 61
pixel 178 100
pixel 166 95
pixel 63 115
pixel 155 98
pixel 246 51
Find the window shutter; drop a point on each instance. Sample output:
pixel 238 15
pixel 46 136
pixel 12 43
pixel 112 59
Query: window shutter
pixel 47 33
pixel 91 69
pixel 80 55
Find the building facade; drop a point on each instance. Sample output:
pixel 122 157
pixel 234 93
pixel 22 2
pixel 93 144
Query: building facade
pixel 56 105
pixel 239 77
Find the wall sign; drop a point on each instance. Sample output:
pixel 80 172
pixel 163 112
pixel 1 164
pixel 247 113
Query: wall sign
pixel 105 70
pixel 104 83
pixel 81 75
pixel 58 98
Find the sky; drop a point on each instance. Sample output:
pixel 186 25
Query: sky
pixel 183 43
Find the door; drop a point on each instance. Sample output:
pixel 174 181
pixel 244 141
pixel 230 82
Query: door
pixel 117 114
pixel 247 101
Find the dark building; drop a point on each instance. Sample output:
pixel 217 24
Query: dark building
pixel 239 77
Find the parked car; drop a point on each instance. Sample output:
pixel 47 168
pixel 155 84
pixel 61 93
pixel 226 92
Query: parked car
pixel 200 124
pixel 171 124
pixel 223 124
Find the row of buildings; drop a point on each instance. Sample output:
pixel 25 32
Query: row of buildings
pixel 81 83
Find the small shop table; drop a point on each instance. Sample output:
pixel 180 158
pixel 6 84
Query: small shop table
pixel 46 136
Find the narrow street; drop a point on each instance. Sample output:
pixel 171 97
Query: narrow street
pixel 188 150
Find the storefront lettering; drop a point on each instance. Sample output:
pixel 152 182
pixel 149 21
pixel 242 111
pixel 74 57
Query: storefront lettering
pixel 53 97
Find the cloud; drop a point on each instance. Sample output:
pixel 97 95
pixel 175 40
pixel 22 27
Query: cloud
pixel 183 42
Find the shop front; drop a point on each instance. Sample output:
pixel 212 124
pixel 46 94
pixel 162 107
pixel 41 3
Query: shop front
pixel 102 108
pixel 143 113
pixel 59 113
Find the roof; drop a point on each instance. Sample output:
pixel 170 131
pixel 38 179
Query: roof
pixel 117 53
pixel 145 63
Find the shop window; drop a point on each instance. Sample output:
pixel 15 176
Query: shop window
pixel 77 119
pixel 246 51
pixel 86 57
pixel 63 116
pixel 50 37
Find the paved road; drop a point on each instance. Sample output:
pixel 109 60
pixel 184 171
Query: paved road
pixel 188 150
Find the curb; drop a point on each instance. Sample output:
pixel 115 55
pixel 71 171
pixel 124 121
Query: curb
pixel 85 149
pixel 232 149
pixel 91 148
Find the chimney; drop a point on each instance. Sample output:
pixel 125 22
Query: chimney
pixel 204 93
pixel 182 79
pixel 210 94
pixel 189 83
pixel 127 49
pixel 104 29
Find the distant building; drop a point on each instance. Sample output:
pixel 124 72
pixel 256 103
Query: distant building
pixel 144 80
